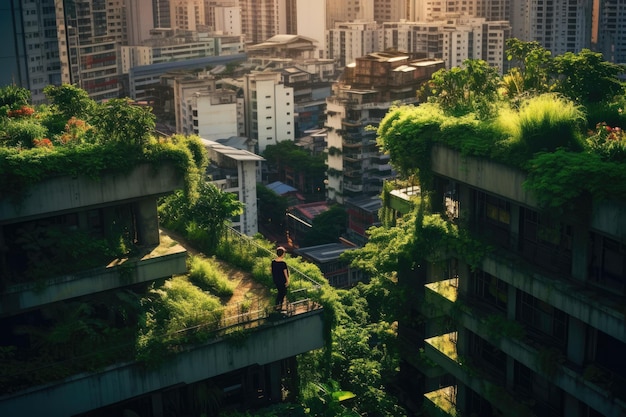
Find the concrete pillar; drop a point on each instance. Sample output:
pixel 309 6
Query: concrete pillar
pixel 157 404
pixel 514 226
pixel 571 407
pixel 274 381
pixel 576 335
pixel 580 252
pixel 147 221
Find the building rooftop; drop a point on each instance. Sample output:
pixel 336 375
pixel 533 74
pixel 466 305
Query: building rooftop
pixel 281 188
pixel 312 210
pixel 233 153
pixel 324 253
pixel 366 203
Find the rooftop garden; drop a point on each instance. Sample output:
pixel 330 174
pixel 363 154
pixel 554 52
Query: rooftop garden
pixel 73 135
pixel 557 118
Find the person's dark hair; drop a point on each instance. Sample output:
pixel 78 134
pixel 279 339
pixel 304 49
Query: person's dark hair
pixel 280 251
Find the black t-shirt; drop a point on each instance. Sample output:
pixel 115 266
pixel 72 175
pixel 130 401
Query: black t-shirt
pixel 278 274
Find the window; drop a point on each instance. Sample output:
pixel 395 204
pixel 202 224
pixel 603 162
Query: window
pixel 542 318
pixel 490 289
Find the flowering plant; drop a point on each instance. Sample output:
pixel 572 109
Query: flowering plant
pixel 42 143
pixel 24 111
pixel 609 142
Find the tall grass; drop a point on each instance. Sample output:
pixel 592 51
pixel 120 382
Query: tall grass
pixel 208 275
pixel 179 313
pixel 543 123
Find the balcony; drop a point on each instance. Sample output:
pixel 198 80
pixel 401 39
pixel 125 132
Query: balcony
pixel 71 193
pixel 269 341
pixel 442 402
pixel 439 297
pixel 164 260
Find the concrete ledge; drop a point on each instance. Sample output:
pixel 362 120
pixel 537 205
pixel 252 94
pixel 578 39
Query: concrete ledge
pixel 71 193
pixel 269 343
pixel 127 272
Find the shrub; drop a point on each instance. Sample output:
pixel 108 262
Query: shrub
pixel 207 275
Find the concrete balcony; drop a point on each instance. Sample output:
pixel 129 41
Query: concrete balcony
pixel 606 216
pixel 163 261
pixel 71 193
pixel 439 297
pixel 572 297
pixel 270 341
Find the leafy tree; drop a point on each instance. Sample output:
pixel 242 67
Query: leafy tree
pixel 120 120
pixel 327 227
pixel 585 77
pixel 532 71
pixel 204 219
pixel 272 207
pixel 462 90
pixel 69 101
pixel 13 97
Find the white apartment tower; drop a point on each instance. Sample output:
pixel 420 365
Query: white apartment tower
pixel 262 19
pixel 453 40
pixel 558 25
pixel 311 22
pixel 187 14
pixel 350 40
pixel 235 171
pixel 269 109
pixel 228 20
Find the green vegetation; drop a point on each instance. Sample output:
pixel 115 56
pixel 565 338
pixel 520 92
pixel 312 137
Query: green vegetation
pixel 171 311
pixel 549 119
pixel 207 275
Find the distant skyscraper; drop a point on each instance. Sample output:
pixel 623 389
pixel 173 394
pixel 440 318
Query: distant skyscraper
pixel 610 35
pixel 187 14
pixel 311 22
pixel 269 109
pixel 139 19
pixel 29 56
pixel 262 19
pixel 162 18
pixel 90 33
pixel 558 25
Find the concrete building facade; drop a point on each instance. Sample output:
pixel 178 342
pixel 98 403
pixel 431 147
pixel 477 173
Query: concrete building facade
pixel 359 101
pixel 269 109
pixel 234 171
pixel 535 328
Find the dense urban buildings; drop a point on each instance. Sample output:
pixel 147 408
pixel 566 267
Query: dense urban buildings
pixel 359 101
pixel 536 327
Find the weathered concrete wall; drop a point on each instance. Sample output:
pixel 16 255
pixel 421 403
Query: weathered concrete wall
pixel 71 193
pixel 27 296
pixel 607 216
pixel 481 173
pixel 272 342
pixel 569 297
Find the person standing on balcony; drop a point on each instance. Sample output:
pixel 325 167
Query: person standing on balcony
pixel 280 275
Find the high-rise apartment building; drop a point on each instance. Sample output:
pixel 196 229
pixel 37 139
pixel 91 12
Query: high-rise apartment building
pixel 347 41
pixel 90 33
pixel 187 14
pixel 558 25
pixel 269 109
pixel 262 19
pixel 609 31
pixel 359 101
pixel 29 56
pixel 537 327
